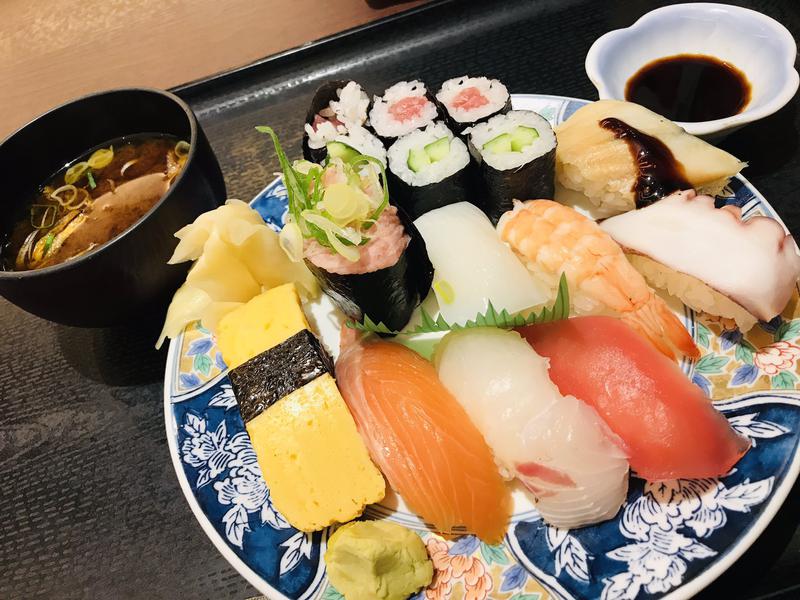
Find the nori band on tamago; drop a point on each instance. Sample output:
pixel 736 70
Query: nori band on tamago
pixel 263 380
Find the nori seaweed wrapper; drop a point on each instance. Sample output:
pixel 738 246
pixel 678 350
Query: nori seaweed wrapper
pixel 387 295
pixel 264 379
pixel 322 97
pixel 462 186
pixel 532 181
pixel 458 128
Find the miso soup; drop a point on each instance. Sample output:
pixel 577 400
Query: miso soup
pixel 92 200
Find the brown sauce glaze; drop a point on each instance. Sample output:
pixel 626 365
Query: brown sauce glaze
pixel 659 174
pixel 690 88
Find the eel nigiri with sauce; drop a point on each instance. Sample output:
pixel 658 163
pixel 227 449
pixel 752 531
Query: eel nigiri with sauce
pixel 709 257
pixel 620 156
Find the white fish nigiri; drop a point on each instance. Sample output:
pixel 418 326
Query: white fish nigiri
pixel 557 446
pixel 709 257
pixel 472 266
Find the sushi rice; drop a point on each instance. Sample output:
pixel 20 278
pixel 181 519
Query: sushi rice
pixel 504 161
pixel 457 159
pixel 360 139
pixel 386 115
pixel 492 96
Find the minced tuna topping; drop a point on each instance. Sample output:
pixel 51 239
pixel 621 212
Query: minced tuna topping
pixel 387 241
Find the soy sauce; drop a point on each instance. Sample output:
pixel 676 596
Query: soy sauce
pixel 690 88
pixel 659 173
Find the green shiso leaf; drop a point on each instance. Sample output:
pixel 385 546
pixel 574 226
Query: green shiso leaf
pixel 490 318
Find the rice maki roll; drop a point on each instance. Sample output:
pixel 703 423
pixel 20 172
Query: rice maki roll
pixel 429 168
pixel 516 155
pixel 357 140
pixel 470 100
pixel 404 107
pixel 367 254
pixel 337 107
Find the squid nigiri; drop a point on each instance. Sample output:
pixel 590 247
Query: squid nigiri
pixel 421 438
pixel 709 258
pixel 472 267
pixel 551 238
pixel 669 428
pixel 557 446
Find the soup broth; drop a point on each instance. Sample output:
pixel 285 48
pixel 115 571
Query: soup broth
pixel 92 200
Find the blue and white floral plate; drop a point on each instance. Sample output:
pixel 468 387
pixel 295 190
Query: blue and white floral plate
pixel 670 539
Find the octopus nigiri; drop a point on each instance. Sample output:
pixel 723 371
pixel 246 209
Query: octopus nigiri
pixel 422 439
pixel 669 428
pixel 709 258
pixel 551 238
pixel 557 446
pixel 618 154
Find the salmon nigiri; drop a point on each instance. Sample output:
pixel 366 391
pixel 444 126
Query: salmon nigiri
pixel 421 438
pixel 670 429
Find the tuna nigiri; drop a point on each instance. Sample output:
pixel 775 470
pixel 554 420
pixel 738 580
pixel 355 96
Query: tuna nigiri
pixel 421 438
pixel 557 446
pixel 669 428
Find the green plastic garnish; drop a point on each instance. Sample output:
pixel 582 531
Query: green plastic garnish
pixel 491 318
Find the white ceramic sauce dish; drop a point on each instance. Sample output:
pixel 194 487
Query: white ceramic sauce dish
pixel 756 44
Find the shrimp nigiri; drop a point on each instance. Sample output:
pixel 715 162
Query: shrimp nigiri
pixel 557 446
pixel 422 439
pixel 551 238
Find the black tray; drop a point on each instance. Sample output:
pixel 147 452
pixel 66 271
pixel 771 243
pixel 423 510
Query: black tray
pixel 90 505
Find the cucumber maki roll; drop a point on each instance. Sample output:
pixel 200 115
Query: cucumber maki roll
pixel 357 140
pixel 337 107
pixel 428 169
pixel 516 154
pixel 404 107
pixel 367 254
pixel 470 100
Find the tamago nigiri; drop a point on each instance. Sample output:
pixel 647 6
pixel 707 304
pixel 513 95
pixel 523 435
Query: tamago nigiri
pixel 670 429
pixel 422 439
pixel 557 446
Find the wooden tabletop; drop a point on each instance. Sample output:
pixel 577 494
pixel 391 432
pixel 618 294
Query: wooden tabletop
pixel 53 51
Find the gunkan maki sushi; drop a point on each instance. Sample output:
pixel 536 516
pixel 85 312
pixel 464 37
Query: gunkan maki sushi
pixel 404 107
pixel 367 254
pixel 467 101
pixel 516 154
pixel 336 109
pixel 430 168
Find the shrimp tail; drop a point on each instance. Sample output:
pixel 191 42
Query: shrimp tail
pixel 655 321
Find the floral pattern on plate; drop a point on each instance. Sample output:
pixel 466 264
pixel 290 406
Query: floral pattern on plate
pixel 670 537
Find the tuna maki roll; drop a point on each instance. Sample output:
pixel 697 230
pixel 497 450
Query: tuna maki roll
pixel 404 107
pixel 337 107
pixel 516 155
pixel 429 168
pixel 470 100
pixel 367 254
